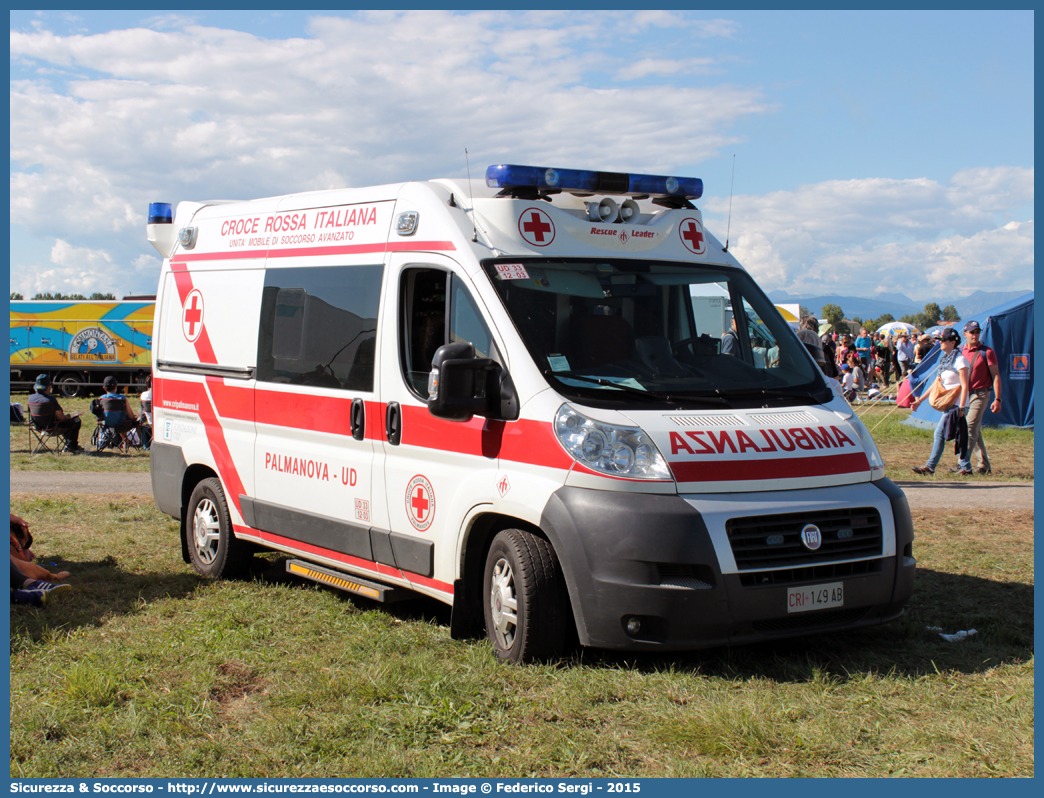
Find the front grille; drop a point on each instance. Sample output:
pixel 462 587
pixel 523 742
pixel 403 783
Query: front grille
pixel 810 573
pixel 808 620
pixel 760 542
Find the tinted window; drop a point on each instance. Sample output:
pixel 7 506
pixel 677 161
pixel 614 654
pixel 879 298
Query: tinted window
pixel 319 326
pixel 425 310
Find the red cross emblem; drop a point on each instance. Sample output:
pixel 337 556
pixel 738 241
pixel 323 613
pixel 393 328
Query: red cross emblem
pixel 691 232
pixel 536 227
pixel 192 317
pixel 420 503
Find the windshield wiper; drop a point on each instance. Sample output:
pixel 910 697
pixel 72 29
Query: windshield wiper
pixel 608 384
pixel 768 393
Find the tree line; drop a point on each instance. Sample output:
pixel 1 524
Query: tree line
pixel 929 317
pixel 56 296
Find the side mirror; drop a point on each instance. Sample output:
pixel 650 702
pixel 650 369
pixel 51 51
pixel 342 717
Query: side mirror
pixel 461 386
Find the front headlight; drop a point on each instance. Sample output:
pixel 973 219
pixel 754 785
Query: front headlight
pixel 609 449
pixel 877 467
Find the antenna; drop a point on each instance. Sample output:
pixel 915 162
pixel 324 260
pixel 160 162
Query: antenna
pixel 729 227
pixel 474 229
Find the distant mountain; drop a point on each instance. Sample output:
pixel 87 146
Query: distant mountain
pixel 863 307
pixel 897 304
pixel 983 300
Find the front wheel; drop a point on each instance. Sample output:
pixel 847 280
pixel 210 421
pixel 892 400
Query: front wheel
pixel 526 605
pixel 213 547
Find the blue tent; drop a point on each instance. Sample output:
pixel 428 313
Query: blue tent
pixel 1008 330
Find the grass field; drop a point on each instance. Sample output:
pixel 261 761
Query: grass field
pixel 147 670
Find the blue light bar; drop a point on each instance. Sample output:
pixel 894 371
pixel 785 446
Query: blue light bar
pixel 160 213
pixel 507 176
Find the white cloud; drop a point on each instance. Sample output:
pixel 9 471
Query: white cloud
pixel 181 111
pixel 175 110
pixel 664 66
pixel 75 269
pixel 917 236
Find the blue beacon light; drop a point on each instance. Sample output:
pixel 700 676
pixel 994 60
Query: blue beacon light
pixel 160 213
pixel 508 176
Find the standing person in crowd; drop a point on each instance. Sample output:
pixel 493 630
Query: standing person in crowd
pixel 904 352
pixel 829 356
pixel 730 341
pixel 863 345
pixel 924 346
pixel 882 355
pixel 985 374
pixel 807 334
pixel 847 348
pixel 67 426
pixel 953 371
pixel 853 380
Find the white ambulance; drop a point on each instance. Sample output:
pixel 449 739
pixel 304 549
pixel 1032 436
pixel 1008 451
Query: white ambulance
pixel 552 401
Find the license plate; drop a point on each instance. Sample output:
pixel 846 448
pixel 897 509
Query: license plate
pixel 816 597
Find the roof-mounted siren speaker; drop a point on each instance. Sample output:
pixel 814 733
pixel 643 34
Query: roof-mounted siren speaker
pixel 605 211
pixel 629 211
pixel 160 229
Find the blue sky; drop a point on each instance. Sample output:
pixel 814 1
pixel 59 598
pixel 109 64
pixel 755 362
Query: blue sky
pixel 874 151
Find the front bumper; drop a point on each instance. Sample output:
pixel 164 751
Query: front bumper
pixel 667 561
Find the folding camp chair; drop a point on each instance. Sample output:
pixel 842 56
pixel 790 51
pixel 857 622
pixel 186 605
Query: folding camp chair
pixel 44 431
pixel 114 425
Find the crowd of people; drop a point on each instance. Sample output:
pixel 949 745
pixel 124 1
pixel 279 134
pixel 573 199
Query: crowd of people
pixel 111 410
pixel 964 380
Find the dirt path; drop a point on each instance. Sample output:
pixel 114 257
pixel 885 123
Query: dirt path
pixel 926 495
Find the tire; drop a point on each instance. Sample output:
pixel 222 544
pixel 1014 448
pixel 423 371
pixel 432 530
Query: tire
pixel 525 602
pixel 213 548
pixel 70 385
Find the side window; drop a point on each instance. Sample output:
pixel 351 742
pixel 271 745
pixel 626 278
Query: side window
pixel 319 326
pixel 437 309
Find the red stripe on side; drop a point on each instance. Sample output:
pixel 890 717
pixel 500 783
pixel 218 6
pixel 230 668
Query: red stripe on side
pixel 534 442
pixel 358 562
pixel 239 254
pixel 421 246
pixel 304 411
pixel 522 441
pixel 782 468
pixel 194 392
pixel 232 401
pixel 312 252
pixel 375 421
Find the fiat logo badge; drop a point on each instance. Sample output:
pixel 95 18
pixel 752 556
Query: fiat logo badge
pixel 811 537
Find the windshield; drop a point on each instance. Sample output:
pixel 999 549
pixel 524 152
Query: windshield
pixel 628 330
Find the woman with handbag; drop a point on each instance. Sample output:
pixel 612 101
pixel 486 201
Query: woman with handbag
pixel 949 392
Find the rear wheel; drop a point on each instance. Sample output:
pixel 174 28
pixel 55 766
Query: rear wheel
pixel 70 385
pixel 526 605
pixel 212 545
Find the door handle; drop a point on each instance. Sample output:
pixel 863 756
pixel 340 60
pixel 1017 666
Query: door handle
pixel 393 423
pixel 358 419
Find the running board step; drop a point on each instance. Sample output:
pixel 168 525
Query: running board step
pixel 346 582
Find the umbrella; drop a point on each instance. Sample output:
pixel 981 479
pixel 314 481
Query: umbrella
pixel 895 326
